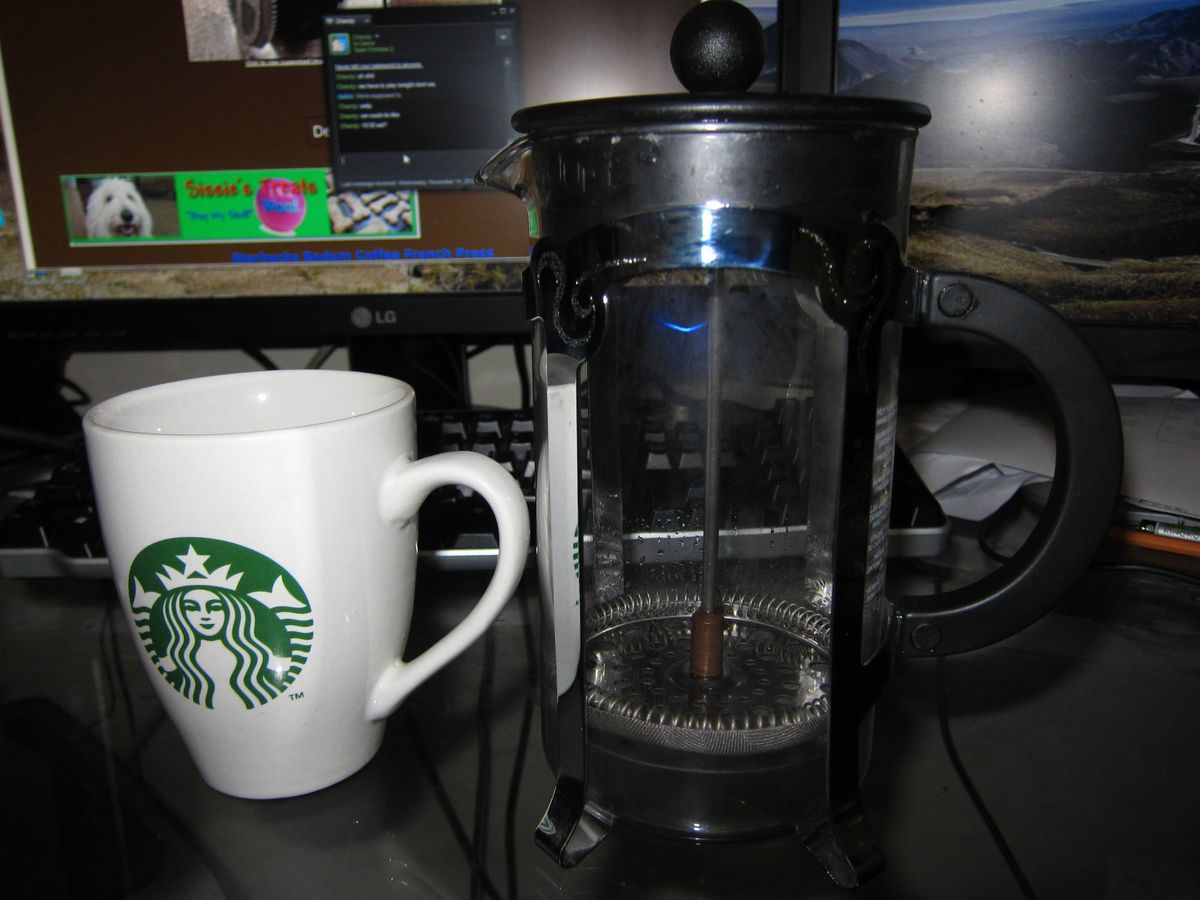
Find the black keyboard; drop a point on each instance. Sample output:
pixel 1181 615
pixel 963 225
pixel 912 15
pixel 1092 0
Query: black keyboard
pixel 455 527
pixel 763 481
pixel 49 527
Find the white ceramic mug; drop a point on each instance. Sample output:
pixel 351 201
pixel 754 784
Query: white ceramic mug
pixel 261 529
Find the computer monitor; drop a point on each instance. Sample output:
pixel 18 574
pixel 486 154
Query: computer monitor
pixel 1063 157
pixel 204 128
pixel 170 168
pixel 197 102
pixel 224 198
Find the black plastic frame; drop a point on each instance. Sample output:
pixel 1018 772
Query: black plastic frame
pixel 1089 456
pixel 264 321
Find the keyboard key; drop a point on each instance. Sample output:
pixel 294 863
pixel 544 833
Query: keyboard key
pixel 487 428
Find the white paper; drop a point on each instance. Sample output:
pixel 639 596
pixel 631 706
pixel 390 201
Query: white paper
pixel 979 458
pixel 1162 453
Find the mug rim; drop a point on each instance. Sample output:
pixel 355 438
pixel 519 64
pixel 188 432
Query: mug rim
pixel 374 394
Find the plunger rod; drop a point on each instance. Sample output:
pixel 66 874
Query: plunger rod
pixel 708 621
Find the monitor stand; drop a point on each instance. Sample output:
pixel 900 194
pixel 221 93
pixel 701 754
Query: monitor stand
pixel 33 399
pixel 435 367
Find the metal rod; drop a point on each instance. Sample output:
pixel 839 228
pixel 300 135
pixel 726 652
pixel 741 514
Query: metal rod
pixel 709 598
pixel 708 621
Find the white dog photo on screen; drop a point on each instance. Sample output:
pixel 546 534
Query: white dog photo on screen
pixel 115 208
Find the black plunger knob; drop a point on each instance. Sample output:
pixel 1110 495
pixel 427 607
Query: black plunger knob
pixel 718 46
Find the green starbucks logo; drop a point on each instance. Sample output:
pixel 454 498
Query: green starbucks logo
pixel 221 622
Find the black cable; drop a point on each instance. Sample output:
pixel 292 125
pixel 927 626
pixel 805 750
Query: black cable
pixel 443 799
pixel 110 647
pixel 321 356
pixel 109 695
pixel 483 771
pixel 514 789
pixel 482 348
pixel 158 715
pixel 522 375
pixel 458 365
pixel 122 682
pixel 976 799
pixel 1149 570
pixel 35 440
pixel 258 356
pixel 450 389
pixel 1007 513
pixel 986 527
pixel 81 398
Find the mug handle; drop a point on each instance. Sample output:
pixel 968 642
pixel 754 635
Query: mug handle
pixel 406 485
pixel 1089 455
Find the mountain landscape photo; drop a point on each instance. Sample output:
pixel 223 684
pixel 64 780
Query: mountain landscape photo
pixel 1064 151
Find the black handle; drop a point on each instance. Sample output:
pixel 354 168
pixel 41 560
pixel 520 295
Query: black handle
pixel 1087 469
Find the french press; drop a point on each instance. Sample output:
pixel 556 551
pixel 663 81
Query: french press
pixel 717 300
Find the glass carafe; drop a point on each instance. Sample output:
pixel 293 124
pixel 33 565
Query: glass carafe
pixel 717 299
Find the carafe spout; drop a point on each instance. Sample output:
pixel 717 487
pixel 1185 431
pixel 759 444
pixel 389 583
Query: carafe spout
pixel 506 171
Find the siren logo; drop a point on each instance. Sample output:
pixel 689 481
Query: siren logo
pixel 222 623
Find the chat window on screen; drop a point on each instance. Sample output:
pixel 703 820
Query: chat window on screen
pixel 419 97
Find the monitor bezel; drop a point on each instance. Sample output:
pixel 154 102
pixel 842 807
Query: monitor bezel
pixel 271 321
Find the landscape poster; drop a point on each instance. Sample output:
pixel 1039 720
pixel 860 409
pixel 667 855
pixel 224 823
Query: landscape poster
pixel 1064 152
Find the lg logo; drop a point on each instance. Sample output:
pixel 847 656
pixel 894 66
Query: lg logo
pixel 361 317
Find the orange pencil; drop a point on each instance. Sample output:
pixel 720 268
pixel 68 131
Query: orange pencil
pixel 1155 541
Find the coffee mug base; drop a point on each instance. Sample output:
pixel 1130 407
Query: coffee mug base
pixel 271 787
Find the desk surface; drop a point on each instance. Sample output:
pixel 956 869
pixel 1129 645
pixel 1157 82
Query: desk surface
pixel 1080 734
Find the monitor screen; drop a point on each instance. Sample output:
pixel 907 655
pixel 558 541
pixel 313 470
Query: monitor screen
pixel 418 97
pixel 231 151
pixel 192 166
pixel 170 153
pixel 1063 155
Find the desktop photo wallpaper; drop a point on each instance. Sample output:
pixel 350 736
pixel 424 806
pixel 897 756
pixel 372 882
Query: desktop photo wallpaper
pixel 1064 152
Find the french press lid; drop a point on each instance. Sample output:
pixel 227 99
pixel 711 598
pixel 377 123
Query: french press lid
pixel 582 163
pixel 717 52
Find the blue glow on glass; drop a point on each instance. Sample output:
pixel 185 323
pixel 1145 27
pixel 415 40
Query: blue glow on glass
pixel 682 329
